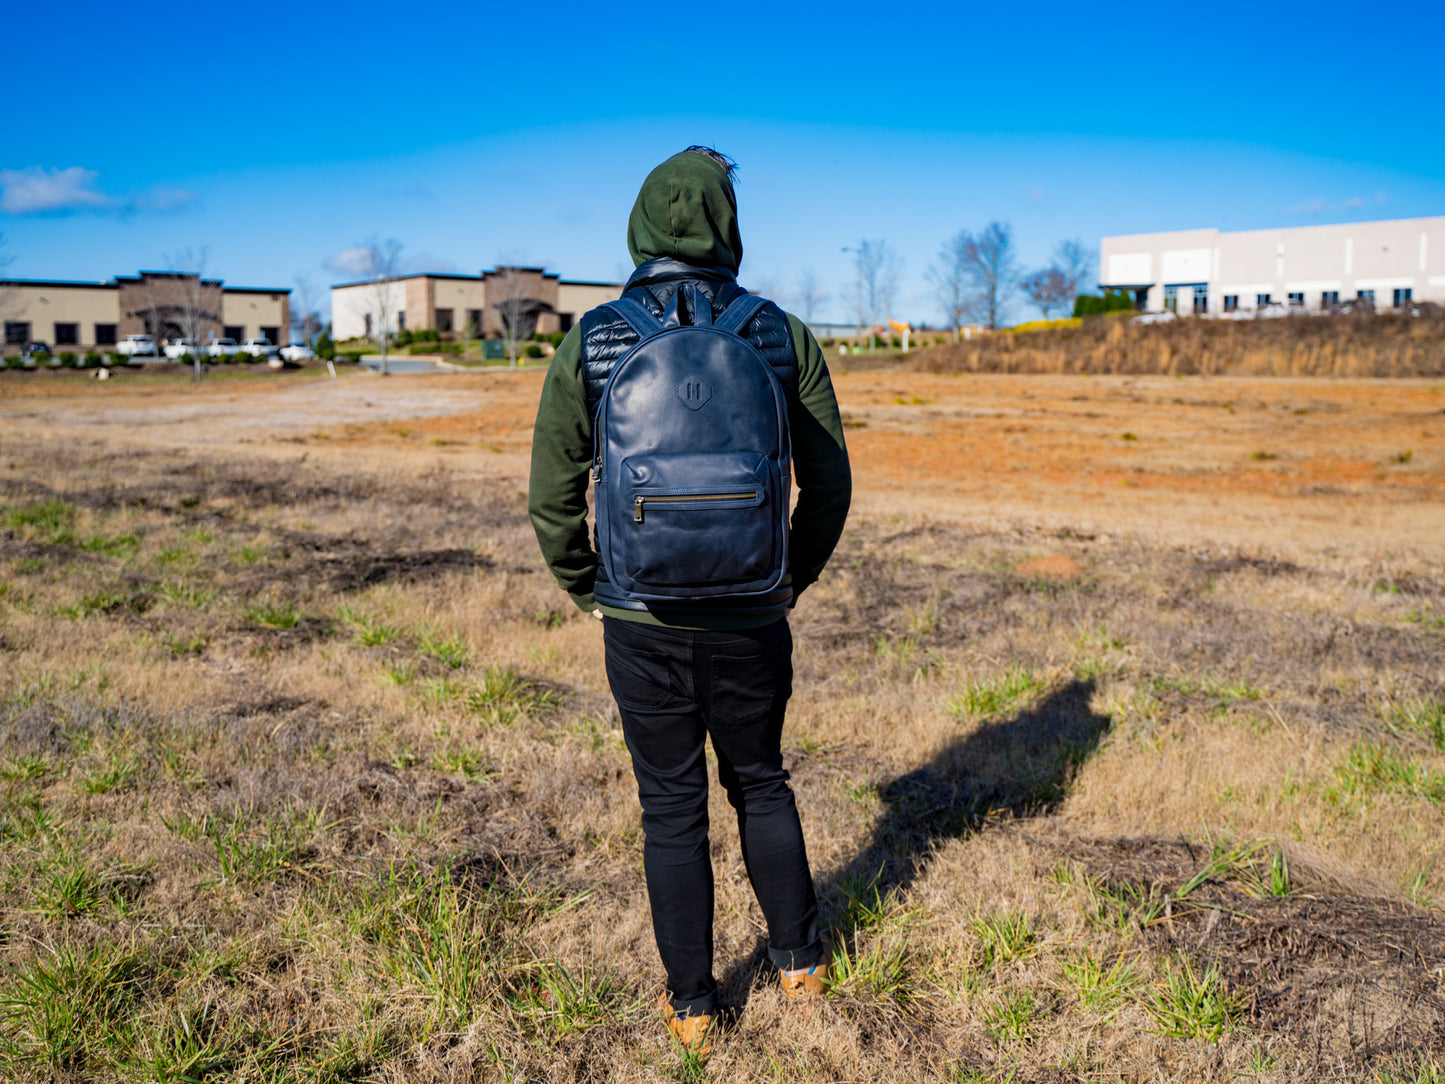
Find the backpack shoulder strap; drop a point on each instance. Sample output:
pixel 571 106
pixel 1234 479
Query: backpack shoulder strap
pixel 637 316
pixel 738 313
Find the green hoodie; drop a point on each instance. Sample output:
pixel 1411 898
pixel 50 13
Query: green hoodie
pixel 687 211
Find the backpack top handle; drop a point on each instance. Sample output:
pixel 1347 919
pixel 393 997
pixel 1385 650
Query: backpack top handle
pixel 697 305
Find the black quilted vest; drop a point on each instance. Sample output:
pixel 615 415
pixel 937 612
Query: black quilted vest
pixel 606 336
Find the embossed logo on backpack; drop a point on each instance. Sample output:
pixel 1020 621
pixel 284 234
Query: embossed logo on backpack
pixel 694 391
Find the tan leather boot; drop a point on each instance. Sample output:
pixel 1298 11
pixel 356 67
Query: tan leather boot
pixel 692 1032
pixel 806 983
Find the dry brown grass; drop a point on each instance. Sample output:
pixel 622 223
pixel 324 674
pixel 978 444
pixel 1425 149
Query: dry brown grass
pixel 308 773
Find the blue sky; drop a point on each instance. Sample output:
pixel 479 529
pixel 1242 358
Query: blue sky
pixel 470 133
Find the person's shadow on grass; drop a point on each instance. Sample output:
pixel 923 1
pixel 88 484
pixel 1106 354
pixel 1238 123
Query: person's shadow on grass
pixel 1018 767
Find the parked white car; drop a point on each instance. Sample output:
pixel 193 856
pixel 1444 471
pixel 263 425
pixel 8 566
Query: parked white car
pixel 180 348
pixel 136 346
pixel 297 352
pixel 1165 317
pixel 222 348
pixel 257 348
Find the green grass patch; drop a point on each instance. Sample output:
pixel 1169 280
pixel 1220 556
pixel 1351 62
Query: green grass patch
pixel 1005 937
pixel 1372 769
pixel 1192 1004
pixel 51 521
pixel 1010 1019
pixel 549 1002
pixel 122 546
pixel 1417 718
pixel 368 630
pixel 108 601
pixel 273 615
pixel 71 892
pixel 994 695
pixel 1103 990
pixel 502 696
pixel 61 1013
pixel 451 651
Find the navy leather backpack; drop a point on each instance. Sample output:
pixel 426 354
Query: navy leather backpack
pixel 692 464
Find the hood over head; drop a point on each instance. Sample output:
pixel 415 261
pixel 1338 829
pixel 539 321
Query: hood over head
pixel 687 211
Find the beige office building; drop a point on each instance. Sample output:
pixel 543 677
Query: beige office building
pixel 1388 264
pixel 453 304
pixel 96 315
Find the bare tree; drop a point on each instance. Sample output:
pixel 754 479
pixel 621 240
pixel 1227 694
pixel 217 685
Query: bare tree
pixel 306 316
pixel 949 277
pixel 194 304
pixel 877 268
pixel 1049 289
pixel 810 295
pixel 990 267
pixel 1075 261
pixel 507 291
pixel 379 263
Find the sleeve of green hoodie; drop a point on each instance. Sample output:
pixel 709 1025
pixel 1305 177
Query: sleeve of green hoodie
pixel 562 460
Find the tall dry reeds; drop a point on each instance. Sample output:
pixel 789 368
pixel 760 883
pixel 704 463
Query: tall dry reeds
pixel 1357 345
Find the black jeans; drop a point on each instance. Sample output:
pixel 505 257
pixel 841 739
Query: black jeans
pixel 675 687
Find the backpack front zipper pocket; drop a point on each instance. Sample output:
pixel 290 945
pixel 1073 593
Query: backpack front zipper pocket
pixel 687 498
pixel 701 522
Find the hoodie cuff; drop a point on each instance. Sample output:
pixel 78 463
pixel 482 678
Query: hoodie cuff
pixel 586 603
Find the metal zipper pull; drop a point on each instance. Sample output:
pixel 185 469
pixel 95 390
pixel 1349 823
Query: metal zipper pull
pixel 637 508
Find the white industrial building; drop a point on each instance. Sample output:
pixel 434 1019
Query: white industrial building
pixel 1209 272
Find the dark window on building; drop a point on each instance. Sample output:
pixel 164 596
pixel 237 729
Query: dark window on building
pixel 1261 300
pixel 67 334
pixel 1297 298
pixel 1201 301
pixel 1171 298
pixel 444 320
pixel 236 332
pixel 1231 302
pixel 17 332
pixel 271 334
pixel 1329 298
pixel 474 320
pixel 1367 296
pixel 105 334
pixel 1402 297
pixel 401 320
pixel 564 321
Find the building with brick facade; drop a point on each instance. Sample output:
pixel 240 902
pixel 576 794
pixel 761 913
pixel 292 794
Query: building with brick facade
pixel 97 315
pixel 474 304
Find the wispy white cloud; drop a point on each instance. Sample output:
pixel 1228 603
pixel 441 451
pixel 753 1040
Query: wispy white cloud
pixel 44 190
pixel 163 199
pixel 39 191
pixel 353 262
pixel 1319 204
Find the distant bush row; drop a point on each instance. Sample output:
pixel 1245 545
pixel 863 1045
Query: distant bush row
pixel 1094 305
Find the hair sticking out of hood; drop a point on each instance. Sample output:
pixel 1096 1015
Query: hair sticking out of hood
pixel 728 163
pixel 687 211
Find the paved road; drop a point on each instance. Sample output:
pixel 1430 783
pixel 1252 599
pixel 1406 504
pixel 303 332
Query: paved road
pixel 402 365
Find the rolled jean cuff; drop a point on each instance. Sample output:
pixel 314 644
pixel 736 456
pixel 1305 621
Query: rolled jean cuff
pixel 797 959
pixel 707 1005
